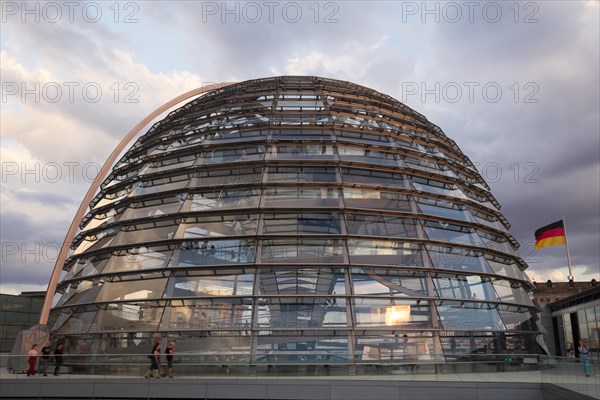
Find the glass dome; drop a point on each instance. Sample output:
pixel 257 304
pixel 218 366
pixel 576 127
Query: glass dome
pixel 297 217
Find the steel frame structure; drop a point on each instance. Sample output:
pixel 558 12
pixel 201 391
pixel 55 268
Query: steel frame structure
pixel 301 217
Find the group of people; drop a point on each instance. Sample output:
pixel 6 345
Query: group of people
pixel 44 362
pixel 156 369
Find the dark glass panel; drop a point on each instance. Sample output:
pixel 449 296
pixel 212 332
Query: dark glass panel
pixel 302 224
pixel 373 177
pixel 226 176
pixel 302 251
pixel 301 174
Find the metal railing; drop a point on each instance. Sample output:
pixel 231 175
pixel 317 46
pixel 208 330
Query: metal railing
pixel 564 372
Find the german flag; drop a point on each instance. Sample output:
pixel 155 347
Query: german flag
pixel 550 235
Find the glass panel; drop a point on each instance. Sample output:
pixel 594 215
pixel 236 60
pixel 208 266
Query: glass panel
pixel 236 136
pixel 208 315
pixel 300 151
pixel 328 282
pixel 367 155
pixel 301 174
pixel 154 207
pixel 445 232
pixel 373 177
pixel 395 347
pixel 402 314
pixel 508 270
pixel 470 287
pixel 301 134
pixel 302 346
pixel 487 219
pixel 363 137
pixel 161 185
pixel 131 235
pixel 132 290
pixel 458 259
pixel 384 252
pixel 223 199
pixel 375 199
pixel 236 251
pixel 302 224
pixel 495 242
pixel 467 316
pixel 388 282
pixel 212 285
pixel 512 292
pixel 227 176
pixel 130 317
pixel 518 319
pixel 301 197
pixel 380 225
pixel 222 225
pixel 168 164
pixel 82 292
pixel 98 241
pixel 78 323
pixel 138 259
pixel 437 187
pixel 444 209
pixel 107 217
pixel 301 313
pixel 249 153
pixel 302 251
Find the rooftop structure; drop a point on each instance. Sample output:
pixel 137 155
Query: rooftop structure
pixel 301 219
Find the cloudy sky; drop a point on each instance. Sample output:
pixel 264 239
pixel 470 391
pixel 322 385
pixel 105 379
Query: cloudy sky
pixel 515 84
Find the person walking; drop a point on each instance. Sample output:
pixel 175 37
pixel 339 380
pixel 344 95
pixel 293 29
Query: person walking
pixel 169 353
pixel 32 359
pixel 58 358
pixel 584 357
pixel 45 360
pixel 154 362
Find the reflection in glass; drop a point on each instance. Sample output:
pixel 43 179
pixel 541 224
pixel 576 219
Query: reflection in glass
pixel 376 199
pixel 214 252
pixel 302 224
pixel 371 313
pixel 468 316
pixel 469 287
pixel 388 282
pixel 302 251
pixel 381 225
pixel 384 252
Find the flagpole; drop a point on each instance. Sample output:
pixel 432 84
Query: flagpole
pixel 567 245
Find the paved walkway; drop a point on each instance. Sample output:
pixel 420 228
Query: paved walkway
pixel 576 382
